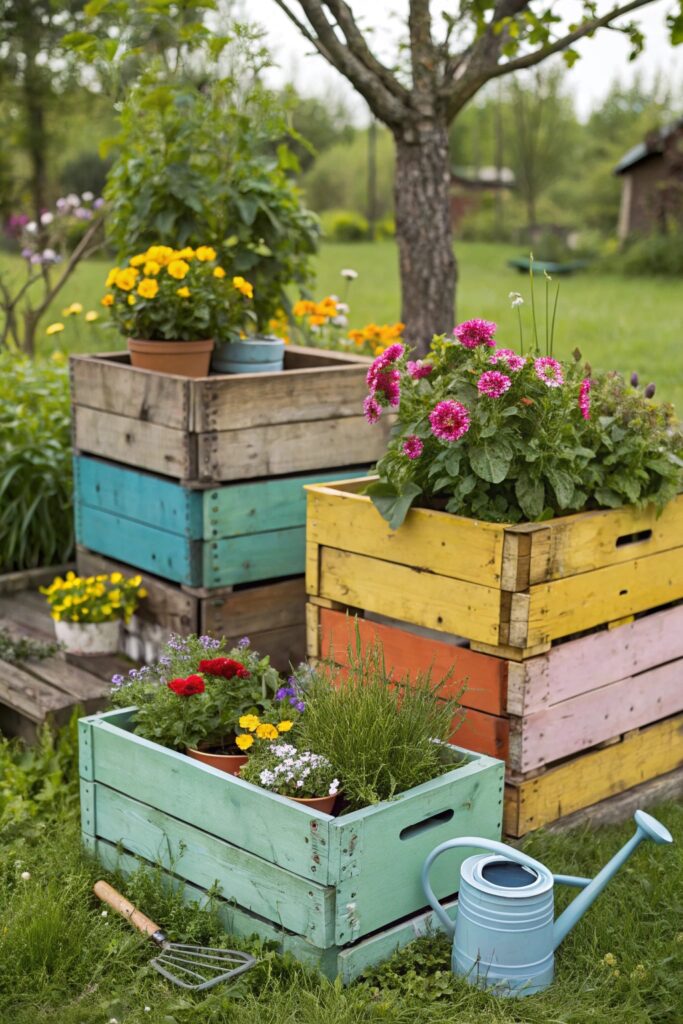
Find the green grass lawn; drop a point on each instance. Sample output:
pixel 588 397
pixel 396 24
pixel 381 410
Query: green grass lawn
pixel 621 323
pixel 63 962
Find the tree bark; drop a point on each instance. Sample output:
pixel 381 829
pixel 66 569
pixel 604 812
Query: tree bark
pixel 423 231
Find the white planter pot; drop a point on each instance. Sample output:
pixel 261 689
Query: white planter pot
pixel 89 637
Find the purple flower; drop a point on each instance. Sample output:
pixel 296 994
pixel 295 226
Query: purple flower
pixel 133 674
pixel 419 369
pixel 650 391
pixel 634 380
pixel 284 692
pixel 413 447
pixel 99 203
pixel 473 333
pixel 117 681
pixel 300 706
pixel 244 642
pixel 26 254
pixel 372 410
pixel 164 660
pixel 493 384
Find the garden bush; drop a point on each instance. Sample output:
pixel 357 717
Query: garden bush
pixel 36 519
pixel 344 226
pixel 656 254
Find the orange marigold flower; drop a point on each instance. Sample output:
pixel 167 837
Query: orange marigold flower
pixel 243 286
pixel 108 300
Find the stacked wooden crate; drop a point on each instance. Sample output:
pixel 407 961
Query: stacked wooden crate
pixel 198 486
pixel 567 634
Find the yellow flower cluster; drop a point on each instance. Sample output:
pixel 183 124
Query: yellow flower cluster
pixel 93 598
pixel 261 730
pixel 279 326
pixel 318 313
pixel 377 337
pixel 75 309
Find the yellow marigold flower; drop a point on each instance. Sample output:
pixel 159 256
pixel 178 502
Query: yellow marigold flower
pixel 131 300
pixel 317 321
pixel 303 307
pixel 357 336
pixel 151 268
pixel 142 592
pixel 125 279
pixel 186 254
pixel 206 253
pixel 73 309
pixel 267 732
pixel 161 254
pixel 184 292
pixel 111 277
pixel 108 300
pixel 54 329
pixel 244 742
pixel 135 581
pixel 243 286
pixel 116 577
pixel 218 272
pixel 148 288
pixel 136 261
pixel 91 316
pixel 249 722
pixel 58 357
pixel 284 726
pixel 178 269
pixel 107 609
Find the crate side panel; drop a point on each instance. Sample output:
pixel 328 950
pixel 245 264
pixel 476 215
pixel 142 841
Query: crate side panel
pixel 166 554
pixel 487 734
pixel 254 557
pixel 403 593
pixel 432 541
pixel 402 832
pixel 408 653
pixel 588 778
pixel 286 647
pixel 286 899
pixel 111 384
pixel 595 716
pixel 138 443
pixel 144 498
pixel 591 599
pixel 268 826
pixel 257 609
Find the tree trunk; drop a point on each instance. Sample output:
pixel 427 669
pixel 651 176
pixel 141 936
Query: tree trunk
pixel 423 231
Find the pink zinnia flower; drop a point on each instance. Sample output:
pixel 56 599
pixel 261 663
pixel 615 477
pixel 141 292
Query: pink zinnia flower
pixel 372 409
pixel 419 369
pixel 473 333
pixel 510 358
pixel 493 384
pixel 549 371
pixel 449 420
pixel 413 447
pixel 585 398
pixel 392 353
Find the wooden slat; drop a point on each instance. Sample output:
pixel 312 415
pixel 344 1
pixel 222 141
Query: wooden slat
pixel 287 448
pixel 254 609
pixel 134 442
pixel 579 666
pixel 29 579
pixel 254 557
pixel 588 778
pixel 437 542
pixel 29 611
pixel 403 593
pixel 113 385
pixel 591 599
pixel 285 646
pixel 299 357
pixel 32 698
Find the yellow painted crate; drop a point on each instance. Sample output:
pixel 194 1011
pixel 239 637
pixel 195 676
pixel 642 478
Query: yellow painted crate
pixel 510 590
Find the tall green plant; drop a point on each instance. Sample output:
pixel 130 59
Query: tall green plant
pixel 36 526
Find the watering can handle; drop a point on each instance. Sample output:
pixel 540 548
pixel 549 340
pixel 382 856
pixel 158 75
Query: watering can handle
pixel 480 844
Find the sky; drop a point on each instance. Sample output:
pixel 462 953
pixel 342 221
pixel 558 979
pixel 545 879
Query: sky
pixel 603 58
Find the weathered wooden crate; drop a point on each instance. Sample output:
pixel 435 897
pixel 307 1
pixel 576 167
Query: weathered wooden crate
pixel 509 590
pixel 213 537
pixel 340 893
pixel 272 614
pixel 226 427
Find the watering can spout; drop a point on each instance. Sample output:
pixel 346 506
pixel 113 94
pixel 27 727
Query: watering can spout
pixel 647 827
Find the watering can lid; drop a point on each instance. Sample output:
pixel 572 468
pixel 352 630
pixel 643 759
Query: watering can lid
pixel 472 871
pixel 653 828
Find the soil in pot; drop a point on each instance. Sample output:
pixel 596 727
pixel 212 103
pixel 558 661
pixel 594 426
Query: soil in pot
pixel 182 358
pixel 218 757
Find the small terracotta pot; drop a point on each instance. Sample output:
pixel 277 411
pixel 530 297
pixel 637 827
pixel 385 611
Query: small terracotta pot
pixel 316 803
pixel 230 763
pixel 182 358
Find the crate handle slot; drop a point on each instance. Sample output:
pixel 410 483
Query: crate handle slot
pixel 633 538
pixel 423 826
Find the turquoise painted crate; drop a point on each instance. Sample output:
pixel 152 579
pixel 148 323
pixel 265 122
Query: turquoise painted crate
pixel 223 536
pixel 335 891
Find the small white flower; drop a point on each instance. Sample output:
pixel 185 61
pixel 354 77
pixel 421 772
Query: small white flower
pixel 50 255
pixel 73 200
pixel 25 875
pixel 349 274
pixel 31 227
pixel 47 218
pixel 87 196
pixel 342 308
pixel 104 914
pixel 148 1009
pixel 340 321
pixel 515 299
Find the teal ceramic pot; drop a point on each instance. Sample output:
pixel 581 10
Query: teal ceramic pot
pixel 262 353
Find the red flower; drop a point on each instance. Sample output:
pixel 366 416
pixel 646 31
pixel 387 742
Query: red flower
pixel 187 687
pixel 225 667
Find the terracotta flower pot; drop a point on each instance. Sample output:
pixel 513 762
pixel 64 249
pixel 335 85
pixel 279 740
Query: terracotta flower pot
pixel 182 358
pixel 316 803
pixel 89 638
pixel 230 763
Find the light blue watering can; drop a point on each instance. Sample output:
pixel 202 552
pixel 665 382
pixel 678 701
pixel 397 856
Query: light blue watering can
pixel 505 934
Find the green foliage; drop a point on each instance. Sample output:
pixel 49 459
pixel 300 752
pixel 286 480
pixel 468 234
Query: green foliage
pixel 17 649
pixel 291 771
pixel 339 177
pixel 194 167
pixel 382 734
pixel 85 172
pixel 344 226
pixel 36 486
pixel 654 255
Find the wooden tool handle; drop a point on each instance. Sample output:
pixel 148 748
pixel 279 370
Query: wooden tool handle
pixel 108 894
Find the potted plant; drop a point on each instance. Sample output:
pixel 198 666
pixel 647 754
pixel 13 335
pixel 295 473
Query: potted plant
pixel 88 611
pixel 172 303
pixel 204 699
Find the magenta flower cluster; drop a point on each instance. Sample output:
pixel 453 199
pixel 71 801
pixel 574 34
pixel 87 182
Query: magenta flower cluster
pixel 413 447
pixel 419 369
pixel 473 333
pixel 549 371
pixel 384 382
pixel 585 398
pixel 449 420
pixel 512 361
pixel 493 384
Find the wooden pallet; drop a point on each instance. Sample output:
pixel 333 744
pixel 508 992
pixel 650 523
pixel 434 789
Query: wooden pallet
pixel 226 427
pixel 318 885
pixel 272 615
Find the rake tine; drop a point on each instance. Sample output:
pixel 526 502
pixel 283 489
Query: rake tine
pixel 207 966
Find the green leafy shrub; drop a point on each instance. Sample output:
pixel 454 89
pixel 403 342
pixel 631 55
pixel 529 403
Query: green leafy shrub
pixel 657 254
pixel 344 226
pixel 36 526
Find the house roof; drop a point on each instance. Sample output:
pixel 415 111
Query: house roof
pixel 653 145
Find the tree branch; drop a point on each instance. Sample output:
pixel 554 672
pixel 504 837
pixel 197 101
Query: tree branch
pixel 360 49
pixel 422 53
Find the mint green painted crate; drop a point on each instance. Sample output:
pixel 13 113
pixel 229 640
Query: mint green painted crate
pixel 340 893
pixel 218 537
